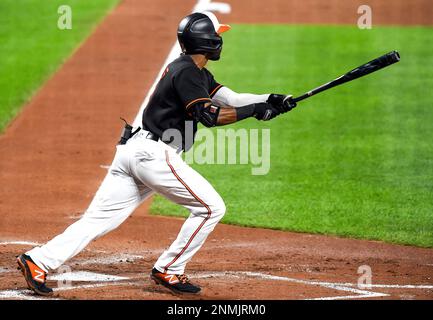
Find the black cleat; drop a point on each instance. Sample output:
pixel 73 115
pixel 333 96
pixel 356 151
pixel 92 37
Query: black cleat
pixel 175 282
pixel 35 276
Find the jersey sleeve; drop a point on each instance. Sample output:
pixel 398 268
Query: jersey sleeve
pixel 190 87
pixel 213 85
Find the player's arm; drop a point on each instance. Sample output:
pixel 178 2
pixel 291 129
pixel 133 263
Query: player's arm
pixel 227 100
pixel 227 96
pixel 231 98
pixel 212 115
pixel 211 112
pixel 260 110
pixel 237 106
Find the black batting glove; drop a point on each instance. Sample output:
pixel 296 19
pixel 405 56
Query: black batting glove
pixel 281 102
pixel 265 111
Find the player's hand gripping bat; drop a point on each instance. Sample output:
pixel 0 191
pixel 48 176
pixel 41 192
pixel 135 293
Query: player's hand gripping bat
pixel 369 67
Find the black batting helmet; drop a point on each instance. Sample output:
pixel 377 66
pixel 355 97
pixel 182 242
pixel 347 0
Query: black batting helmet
pixel 200 33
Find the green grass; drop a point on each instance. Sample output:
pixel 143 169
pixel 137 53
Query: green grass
pixel 32 47
pixel 355 161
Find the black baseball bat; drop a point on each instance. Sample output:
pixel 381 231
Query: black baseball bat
pixel 367 68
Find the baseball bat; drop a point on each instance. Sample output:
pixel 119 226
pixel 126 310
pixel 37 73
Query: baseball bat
pixel 367 68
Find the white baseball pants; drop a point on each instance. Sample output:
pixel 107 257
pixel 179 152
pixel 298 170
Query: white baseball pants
pixel 140 167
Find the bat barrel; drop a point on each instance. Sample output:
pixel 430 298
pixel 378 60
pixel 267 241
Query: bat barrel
pixel 367 68
pixel 393 57
pixel 389 58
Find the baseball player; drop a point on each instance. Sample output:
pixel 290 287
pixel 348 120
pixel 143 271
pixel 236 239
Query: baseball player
pixel 148 162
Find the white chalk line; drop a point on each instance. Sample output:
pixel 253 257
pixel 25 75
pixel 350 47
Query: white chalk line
pixel 28 295
pixel 347 287
pixel 395 286
pixel 97 285
pixel 238 274
pixel 334 286
pixel 4 270
pixel 20 294
pixel 85 276
pixel 19 243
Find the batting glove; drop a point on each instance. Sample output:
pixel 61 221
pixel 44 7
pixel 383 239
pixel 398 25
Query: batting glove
pixel 281 102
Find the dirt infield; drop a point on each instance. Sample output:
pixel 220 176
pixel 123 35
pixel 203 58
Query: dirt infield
pixel 54 157
pixel 400 12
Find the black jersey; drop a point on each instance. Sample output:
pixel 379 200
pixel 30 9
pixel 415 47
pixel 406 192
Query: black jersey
pixel 181 86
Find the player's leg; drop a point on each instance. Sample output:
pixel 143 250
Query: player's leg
pixel 115 200
pixel 166 173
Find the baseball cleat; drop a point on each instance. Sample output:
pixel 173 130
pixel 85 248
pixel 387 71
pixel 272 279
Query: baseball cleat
pixel 35 276
pixel 175 282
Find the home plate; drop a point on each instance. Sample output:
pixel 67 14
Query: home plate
pixel 85 276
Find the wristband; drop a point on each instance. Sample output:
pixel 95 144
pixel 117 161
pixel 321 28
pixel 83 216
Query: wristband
pixel 245 111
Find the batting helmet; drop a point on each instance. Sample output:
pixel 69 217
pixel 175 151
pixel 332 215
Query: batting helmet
pixel 200 33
